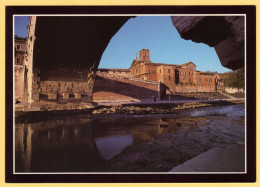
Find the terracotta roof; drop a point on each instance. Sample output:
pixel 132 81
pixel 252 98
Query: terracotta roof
pixel 17 38
pixel 188 63
pixel 108 69
pixel 162 64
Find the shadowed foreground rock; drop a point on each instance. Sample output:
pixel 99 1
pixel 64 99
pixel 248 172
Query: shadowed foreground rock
pixel 224 33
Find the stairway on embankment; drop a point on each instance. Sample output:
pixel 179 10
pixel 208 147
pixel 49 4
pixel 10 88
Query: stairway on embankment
pixel 228 95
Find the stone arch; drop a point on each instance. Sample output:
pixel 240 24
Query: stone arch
pixel 51 56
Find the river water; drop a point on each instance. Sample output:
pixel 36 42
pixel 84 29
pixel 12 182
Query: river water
pixel 124 143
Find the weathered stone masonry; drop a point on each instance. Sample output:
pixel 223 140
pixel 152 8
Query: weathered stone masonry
pixel 76 43
pixel 63 53
pixel 65 84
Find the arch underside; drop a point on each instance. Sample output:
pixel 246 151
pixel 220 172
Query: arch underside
pixel 67 50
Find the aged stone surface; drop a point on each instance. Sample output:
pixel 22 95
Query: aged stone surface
pixel 52 96
pixel 67 49
pixel 28 68
pixel 67 56
pixel 225 33
pixel 66 95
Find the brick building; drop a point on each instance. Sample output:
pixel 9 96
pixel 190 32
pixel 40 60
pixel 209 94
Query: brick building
pixel 19 49
pixel 177 78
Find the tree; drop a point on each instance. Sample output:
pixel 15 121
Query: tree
pixel 234 79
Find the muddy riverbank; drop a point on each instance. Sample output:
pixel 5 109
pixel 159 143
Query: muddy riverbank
pixel 128 108
pixel 184 137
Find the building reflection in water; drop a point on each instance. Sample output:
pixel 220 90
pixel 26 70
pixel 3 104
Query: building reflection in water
pixel 80 144
pixel 24 145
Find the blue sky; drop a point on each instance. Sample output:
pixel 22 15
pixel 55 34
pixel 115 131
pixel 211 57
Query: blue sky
pixel 155 33
pixel 20 25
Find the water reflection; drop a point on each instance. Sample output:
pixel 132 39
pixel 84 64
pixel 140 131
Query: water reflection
pixel 108 147
pixel 85 143
pixel 24 145
pixel 81 145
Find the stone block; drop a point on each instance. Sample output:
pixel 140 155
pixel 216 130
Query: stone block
pixel 77 95
pixel 66 95
pixel 62 83
pixel 75 86
pixel 35 96
pixel 52 96
pixel 63 89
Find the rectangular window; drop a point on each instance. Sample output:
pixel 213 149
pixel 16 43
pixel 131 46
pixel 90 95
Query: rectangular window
pixel 18 60
pixel 160 71
pixel 18 47
pixel 169 71
pixel 154 71
pixel 169 77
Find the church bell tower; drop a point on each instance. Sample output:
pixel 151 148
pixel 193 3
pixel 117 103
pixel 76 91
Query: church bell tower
pixel 144 56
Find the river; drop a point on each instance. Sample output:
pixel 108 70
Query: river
pixel 124 143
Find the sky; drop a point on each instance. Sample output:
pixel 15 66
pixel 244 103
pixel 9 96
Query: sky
pixel 20 25
pixel 155 33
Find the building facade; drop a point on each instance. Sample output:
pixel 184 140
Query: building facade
pixel 177 78
pixel 19 52
pixel 20 48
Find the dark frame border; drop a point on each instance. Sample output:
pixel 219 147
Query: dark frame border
pixel 250 176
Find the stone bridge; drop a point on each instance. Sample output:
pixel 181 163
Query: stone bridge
pixel 63 52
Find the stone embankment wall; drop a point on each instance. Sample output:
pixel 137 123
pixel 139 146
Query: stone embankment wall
pixel 233 90
pixel 193 89
pixel 72 84
pixel 122 88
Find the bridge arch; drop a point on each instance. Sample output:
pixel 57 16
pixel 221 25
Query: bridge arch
pixel 50 56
